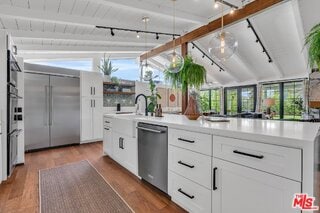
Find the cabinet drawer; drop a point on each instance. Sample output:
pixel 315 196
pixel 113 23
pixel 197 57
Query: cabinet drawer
pixel 282 161
pixel 189 195
pixel 192 165
pixel 193 141
pixel 107 122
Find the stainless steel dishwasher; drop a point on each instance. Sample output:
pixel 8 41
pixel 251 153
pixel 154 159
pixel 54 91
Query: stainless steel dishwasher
pixel 153 154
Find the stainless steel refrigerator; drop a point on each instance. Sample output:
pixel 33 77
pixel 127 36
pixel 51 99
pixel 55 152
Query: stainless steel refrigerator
pixel 52 111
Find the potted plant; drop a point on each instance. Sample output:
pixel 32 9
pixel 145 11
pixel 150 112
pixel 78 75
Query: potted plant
pixel 153 98
pixel 107 69
pixel 192 75
pixel 313 40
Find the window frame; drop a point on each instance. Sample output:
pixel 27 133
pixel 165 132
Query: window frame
pixel 210 97
pixel 239 97
pixel 281 97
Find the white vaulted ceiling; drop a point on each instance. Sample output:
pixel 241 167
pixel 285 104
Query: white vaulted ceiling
pixel 66 28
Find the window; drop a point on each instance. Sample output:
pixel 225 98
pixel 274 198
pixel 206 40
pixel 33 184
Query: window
pixel 232 102
pixel 271 91
pixel 210 100
pixel 216 100
pixel 240 99
pixel 292 100
pixel 289 99
pixel 128 69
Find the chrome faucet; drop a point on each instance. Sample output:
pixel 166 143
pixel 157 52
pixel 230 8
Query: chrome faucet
pixel 146 100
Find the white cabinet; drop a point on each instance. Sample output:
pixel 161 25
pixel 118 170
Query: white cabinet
pixel 107 137
pixel 91 106
pixel 238 188
pixel 125 151
pixel 189 195
pixel 91 119
pixel 91 84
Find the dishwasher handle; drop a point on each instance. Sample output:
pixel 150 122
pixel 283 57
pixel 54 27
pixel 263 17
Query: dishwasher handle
pixel 151 130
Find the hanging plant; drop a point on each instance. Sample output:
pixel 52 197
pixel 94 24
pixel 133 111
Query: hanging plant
pixel 313 40
pixel 192 75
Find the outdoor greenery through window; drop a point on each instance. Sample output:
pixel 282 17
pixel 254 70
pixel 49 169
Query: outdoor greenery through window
pixel 232 101
pixel 288 99
pixel 210 100
pixel 240 99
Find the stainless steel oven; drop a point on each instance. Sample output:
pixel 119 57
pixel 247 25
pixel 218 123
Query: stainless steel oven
pixel 12 106
pixel 13 69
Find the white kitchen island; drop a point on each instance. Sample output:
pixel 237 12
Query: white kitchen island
pixel 244 165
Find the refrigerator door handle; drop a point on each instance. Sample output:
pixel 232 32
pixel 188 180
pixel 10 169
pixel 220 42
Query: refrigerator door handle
pixel 94 103
pixel 51 106
pixel 94 90
pixel 46 115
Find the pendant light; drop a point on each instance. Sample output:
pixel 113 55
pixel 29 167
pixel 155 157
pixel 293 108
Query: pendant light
pixel 224 44
pixel 145 66
pixel 175 60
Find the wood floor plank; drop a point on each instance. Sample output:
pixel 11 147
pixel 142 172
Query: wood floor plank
pixel 20 193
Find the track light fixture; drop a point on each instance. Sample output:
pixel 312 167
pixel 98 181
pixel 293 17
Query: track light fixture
pixel 258 40
pixel 205 55
pixel 137 31
pixel 138 36
pixel 216 4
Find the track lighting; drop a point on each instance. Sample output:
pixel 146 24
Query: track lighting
pixel 216 4
pixel 192 46
pixel 257 41
pixel 270 60
pixel 203 56
pixel 138 36
pixel 157 36
pixel 232 10
pixel 212 64
pixel 111 31
pixel 220 70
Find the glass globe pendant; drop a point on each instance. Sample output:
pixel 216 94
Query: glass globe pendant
pixel 223 46
pixel 175 61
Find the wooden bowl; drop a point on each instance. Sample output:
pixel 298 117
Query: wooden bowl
pixel 193 116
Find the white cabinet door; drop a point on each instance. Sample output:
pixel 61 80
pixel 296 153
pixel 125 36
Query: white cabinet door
pixel 97 84
pixel 91 84
pixel 107 141
pixel 86 84
pixel 86 119
pixel 130 146
pixel 97 118
pixel 242 189
pixel 118 151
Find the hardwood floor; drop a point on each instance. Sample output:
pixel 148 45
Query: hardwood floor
pixel 20 193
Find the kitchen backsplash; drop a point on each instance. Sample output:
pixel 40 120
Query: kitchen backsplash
pixel 111 100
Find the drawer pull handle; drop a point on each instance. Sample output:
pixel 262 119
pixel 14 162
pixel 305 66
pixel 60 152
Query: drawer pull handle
pixel 247 154
pixel 186 194
pixel 185 140
pixel 185 164
pixel 214 185
pixel 106 128
pixel 107 122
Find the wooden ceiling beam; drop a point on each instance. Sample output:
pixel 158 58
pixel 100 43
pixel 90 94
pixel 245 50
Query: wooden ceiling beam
pixel 239 15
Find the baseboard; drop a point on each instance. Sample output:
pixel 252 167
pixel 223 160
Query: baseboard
pixel 91 141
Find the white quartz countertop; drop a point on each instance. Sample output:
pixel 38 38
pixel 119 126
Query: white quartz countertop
pixel 286 133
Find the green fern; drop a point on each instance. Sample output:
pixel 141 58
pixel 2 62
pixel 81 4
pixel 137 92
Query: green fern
pixel 192 75
pixel 313 40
